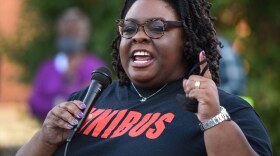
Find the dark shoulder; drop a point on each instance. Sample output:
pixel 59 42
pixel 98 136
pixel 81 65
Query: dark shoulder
pixel 231 101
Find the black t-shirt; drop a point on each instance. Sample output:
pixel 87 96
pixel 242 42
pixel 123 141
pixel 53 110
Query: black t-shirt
pixel 123 126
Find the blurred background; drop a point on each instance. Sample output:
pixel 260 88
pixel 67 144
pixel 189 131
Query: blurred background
pixel 27 37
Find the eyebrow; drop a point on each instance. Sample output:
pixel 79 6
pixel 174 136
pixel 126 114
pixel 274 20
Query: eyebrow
pixel 137 21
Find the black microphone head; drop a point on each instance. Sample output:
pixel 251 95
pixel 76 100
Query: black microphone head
pixel 103 75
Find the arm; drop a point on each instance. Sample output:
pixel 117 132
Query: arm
pixel 37 146
pixel 227 138
pixel 55 129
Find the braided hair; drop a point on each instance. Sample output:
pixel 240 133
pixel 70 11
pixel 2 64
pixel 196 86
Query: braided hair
pixel 199 34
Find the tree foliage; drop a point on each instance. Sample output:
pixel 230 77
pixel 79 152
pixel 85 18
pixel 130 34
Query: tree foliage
pixel 260 49
pixel 253 27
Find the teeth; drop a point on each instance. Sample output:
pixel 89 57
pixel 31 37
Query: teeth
pixel 140 62
pixel 141 57
pixel 141 53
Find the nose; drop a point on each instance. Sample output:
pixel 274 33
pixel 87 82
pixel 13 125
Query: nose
pixel 141 35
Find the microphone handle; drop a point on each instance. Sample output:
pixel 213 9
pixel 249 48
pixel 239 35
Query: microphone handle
pixel 93 92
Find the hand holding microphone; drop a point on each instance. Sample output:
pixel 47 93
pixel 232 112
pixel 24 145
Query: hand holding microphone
pixel 101 78
pixel 65 119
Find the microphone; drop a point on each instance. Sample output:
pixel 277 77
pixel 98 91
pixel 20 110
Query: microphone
pixel 100 80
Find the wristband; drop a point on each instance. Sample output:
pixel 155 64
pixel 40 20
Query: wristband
pixel 222 116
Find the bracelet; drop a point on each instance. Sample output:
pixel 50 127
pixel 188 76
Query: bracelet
pixel 222 116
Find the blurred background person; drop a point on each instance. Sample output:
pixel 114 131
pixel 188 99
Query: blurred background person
pixel 232 73
pixel 70 69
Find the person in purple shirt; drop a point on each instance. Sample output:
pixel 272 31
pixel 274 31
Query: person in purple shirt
pixel 69 70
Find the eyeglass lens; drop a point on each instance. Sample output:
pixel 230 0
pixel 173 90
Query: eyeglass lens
pixel 153 28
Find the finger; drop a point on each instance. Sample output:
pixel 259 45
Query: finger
pixel 74 107
pixel 89 117
pixel 82 106
pixel 187 86
pixel 79 104
pixel 191 83
pixel 53 119
pixel 194 94
pixel 202 56
pixel 62 123
pixel 65 115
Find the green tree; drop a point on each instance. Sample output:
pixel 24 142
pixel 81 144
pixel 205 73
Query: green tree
pixel 256 24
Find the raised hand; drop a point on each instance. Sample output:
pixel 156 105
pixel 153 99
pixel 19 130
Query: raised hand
pixel 204 89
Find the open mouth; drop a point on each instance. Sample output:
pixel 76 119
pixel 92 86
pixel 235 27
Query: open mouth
pixel 141 57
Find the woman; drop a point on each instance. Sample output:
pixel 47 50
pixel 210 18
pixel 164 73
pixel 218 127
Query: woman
pixel 69 70
pixel 159 42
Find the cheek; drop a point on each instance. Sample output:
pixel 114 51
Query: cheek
pixel 177 41
pixel 122 48
pixel 123 52
pixel 177 38
pixel 173 46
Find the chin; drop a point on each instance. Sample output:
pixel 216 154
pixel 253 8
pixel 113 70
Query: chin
pixel 140 78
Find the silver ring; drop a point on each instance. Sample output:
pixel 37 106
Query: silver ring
pixel 197 84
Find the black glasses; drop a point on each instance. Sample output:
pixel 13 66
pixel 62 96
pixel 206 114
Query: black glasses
pixel 154 28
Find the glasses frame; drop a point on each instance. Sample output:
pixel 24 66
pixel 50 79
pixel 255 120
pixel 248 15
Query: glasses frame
pixel 167 24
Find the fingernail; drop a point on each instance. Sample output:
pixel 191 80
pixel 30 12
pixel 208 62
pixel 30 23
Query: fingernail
pixel 203 52
pixel 74 122
pixel 83 105
pixel 81 115
pixel 89 116
pixel 69 126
